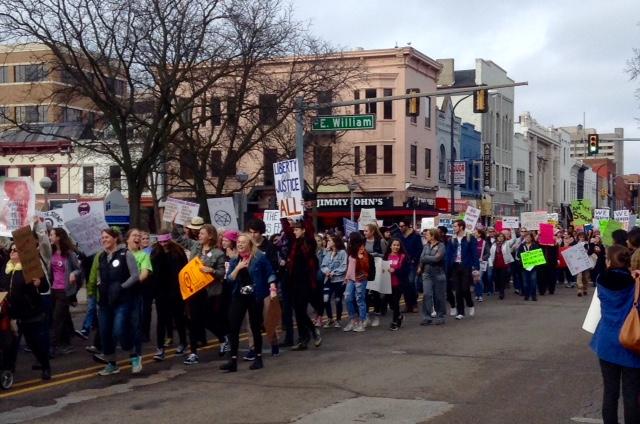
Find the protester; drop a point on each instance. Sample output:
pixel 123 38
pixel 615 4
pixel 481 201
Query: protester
pixel 434 279
pixel 358 269
pixel 398 267
pixel 530 275
pixel 484 250
pixel 567 241
pixel 334 268
pixel 583 278
pixel 462 259
pixel 376 246
pixel 413 246
pixel 499 259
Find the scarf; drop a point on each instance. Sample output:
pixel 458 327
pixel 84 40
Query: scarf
pixel 11 267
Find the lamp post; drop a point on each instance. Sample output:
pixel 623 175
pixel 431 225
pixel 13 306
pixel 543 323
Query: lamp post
pixel 451 146
pixel 45 183
pixel 549 205
pixel 241 178
pixel 353 186
pixel 490 192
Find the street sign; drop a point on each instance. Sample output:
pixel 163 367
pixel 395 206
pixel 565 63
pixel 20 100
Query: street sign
pixel 513 187
pixel 459 172
pixel 344 122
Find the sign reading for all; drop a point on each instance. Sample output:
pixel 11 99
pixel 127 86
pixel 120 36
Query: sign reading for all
pixel 288 188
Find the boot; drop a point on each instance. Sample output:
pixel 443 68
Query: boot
pixel 257 364
pixel 230 366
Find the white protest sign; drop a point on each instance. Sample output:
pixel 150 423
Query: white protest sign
pixel 179 211
pixel 223 213
pixel 532 220
pixel 288 188
pixel 596 224
pixel 510 222
pixel 427 223
pixel 622 216
pixel 116 208
pixel 471 217
pixel 632 221
pixel 85 230
pixel 553 218
pixel 74 210
pixel 53 219
pixel 17 204
pixel 271 220
pixel 367 216
pixel 593 314
pixel 599 214
pixel 577 258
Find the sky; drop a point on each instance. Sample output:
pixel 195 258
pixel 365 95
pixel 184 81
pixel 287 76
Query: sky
pixel 572 53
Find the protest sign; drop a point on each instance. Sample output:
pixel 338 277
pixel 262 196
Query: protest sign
pixel 427 223
pixel 600 214
pixel 288 188
pixel 581 210
pixel 223 213
pixel 446 221
pixel 382 282
pixel 86 231
pixel 577 258
pixel 271 218
pixel 499 226
pixel 622 216
pixel 349 226
pixel 553 218
pixel 607 227
pixel 532 258
pixel 17 204
pixel 53 219
pixel 632 221
pixel 593 314
pixel 546 237
pixel 179 211
pixel 471 217
pixel 29 255
pixel 510 222
pixel 532 220
pixel 595 224
pixel 367 216
pixel 192 279
pixel 116 208
pixel 74 210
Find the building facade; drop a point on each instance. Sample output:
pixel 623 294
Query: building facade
pixel 611 145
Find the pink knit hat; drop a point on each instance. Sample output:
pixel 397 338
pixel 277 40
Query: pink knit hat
pixel 231 235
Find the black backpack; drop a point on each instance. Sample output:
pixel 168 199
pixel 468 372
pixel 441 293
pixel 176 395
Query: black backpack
pixel 371 275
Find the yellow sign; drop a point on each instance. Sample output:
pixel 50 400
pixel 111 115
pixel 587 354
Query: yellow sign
pixel 192 279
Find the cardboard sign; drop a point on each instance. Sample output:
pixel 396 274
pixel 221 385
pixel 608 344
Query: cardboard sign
pixel 53 219
pixel 510 222
pixel 367 216
pixel 532 258
pixel 223 213
pixel 532 220
pixel 546 237
pixel 17 204
pixel 593 314
pixel 577 258
pixel 116 208
pixel 599 214
pixel 29 256
pixel 471 217
pixel 607 227
pixel 288 188
pixel 86 231
pixel 349 226
pixel 192 279
pixel 179 211
pixel 581 210
pixel 446 221
pixel 427 223
pixel 271 218
pixel 623 217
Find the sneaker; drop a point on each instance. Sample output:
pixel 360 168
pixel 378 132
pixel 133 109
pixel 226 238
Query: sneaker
pixel 453 312
pixel 92 349
pixel 224 347
pixel 366 322
pixel 250 356
pixel 168 342
pixel 579 294
pixel 109 369
pixel 192 359
pixel 317 338
pixel 480 299
pixel 375 322
pixel 275 350
pixel 180 350
pixel 426 322
pixel 359 327
pixel 516 291
pixel 136 364
pixel 82 334
pixel 472 311
pixel 99 358
pixel 336 324
pixel 459 317
pixel 434 314
pixel 349 327
pixel 159 356
pixel 328 324
pixel 65 350
pixel 394 327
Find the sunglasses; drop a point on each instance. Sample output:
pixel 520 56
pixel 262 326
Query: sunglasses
pixel 13 249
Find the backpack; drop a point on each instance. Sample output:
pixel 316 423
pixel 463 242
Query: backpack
pixel 371 275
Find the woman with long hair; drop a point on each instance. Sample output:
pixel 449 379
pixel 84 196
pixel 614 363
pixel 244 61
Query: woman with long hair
pixel 334 267
pixel 356 283
pixel 434 279
pixel 376 245
pixel 530 276
pixel 398 263
pixel 66 276
pixel 499 259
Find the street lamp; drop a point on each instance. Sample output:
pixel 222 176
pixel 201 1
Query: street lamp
pixel 241 178
pixel 46 183
pixel 353 186
pixel 549 204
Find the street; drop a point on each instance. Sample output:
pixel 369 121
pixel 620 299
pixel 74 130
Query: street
pixel 515 361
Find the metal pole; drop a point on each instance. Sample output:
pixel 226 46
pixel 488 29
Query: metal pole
pixel 351 204
pixel 453 190
pixel 300 138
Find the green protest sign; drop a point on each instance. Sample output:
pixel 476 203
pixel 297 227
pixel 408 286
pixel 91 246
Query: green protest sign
pixel 532 258
pixel 581 210
pixel 607 227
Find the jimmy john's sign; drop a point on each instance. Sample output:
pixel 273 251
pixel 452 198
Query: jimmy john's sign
pixel 358 202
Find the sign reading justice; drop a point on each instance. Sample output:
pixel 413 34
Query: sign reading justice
pixel 288 188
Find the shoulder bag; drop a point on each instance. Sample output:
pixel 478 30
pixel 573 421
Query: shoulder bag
pixel 630 331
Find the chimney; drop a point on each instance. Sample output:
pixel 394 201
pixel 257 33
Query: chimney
pixel 446 77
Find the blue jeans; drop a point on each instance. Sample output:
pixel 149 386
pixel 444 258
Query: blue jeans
pixel 135 323
pixel 91 317
pixel 409 286
pixel 530 284
pixel 356 290
pixel 516 273
pixel 114 321
pixel 487 280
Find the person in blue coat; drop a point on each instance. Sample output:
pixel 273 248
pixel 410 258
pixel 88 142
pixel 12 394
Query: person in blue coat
pixel 461 259
pixel 616 290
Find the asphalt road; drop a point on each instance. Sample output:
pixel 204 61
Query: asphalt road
pixel 515 361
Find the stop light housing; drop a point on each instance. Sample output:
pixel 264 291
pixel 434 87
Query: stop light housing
pixel 480 101
pixel 413 104
pixel 594 144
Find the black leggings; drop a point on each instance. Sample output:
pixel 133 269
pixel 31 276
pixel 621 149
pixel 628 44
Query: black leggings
pixel 611 376
pixel 240 305
pixel 306 328
pixel 169 310
pixel 394 303
pixel 501 276
pixel 36 334
pixel 202 317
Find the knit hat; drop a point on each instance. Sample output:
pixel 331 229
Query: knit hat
pixel 231 235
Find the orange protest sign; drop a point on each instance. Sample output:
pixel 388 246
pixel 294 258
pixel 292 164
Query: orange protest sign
pixel 192 279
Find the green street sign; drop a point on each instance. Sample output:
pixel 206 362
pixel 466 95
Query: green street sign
pixel 344 122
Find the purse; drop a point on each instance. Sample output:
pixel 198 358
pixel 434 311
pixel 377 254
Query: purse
pixel 630 331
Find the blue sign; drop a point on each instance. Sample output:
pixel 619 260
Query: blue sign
pixel 349 226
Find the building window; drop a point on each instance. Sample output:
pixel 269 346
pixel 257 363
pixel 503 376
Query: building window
pixel 268 105
pixel 3 171
pixel 372 108
pixel 324 97
pixel 115 86
pixel 427 163
pixel 387 157
pixel 52 172
pixel 371 160
pixel 520 179
pixel 356 96
pixel 4 75
pixel 442 160
pixel 270 157
pixel 414 160
pixel 4 115
pixel 115 178
pixel 323 166
pixel 356 160
pixel 186 116
pixel 29 73
pixel 427 112
pixel 232 110
pixel 24 171
pixel 216 111
pixel 188 165
pixel 31 114
pixel 71 115
pixel 387 106
pixel 88 179
pixel 498 143
pixel 216 163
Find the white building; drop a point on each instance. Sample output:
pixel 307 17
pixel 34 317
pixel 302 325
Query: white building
pixel 522 171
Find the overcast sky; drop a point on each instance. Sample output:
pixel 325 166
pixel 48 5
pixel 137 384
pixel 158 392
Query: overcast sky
pixel 572 53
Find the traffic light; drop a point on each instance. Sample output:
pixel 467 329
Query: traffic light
pixel 480 101
pixel 413 105
pixel 594 144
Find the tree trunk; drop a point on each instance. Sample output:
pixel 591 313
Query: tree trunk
pixel 135 190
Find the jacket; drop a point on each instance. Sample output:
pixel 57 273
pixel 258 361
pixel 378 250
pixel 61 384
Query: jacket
pixel 507 247
pixel 469 252
pixel 260 273
pixel 25 301
pixel 615 290
pixel 117 275
pixel 72 268
pixel 335 263
pixel 167 267
pixel 215 259
pixel 432 260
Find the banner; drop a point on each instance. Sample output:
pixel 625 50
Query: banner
pixel 349 226
pixel 191 279
pixel 29 255
pixel 510 222
pixel 499 226
pixel 532 258
pixel 581 210
pixel 288 188
pixel 532 220
pixel 271 218
pixel 601 214
pixel 223 213
pixel 471 217
pixel 86 231
pixel 179 211
pixel 367 216
pixel 17 204
pixel 546 236
pixel 577 258
pixel 427 223
pixel 623 217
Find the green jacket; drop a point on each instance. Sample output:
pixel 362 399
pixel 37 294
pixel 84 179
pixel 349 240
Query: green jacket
pixel 92 281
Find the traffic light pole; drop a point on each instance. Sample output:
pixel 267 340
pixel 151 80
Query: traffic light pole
pixel 452 170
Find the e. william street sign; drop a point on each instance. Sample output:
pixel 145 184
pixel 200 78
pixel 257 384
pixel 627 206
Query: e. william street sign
pixel 344 122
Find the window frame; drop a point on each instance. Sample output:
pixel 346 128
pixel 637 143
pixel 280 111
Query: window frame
pixel 88 180
pixel 371 159
pixel 413 160
pixel 387 159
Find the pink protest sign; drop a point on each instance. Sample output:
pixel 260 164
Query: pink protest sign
pixel 499 226
pixel 545 237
